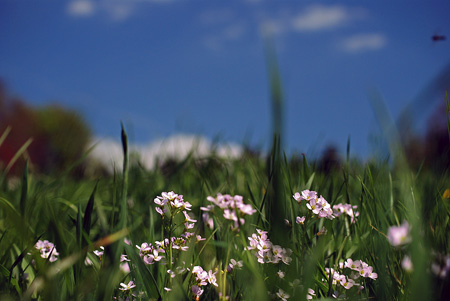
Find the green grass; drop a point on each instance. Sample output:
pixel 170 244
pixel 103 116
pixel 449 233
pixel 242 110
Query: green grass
pixel 79 216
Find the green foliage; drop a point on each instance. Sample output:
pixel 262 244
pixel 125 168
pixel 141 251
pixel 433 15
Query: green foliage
pixel 79 216
pixel 66 133
pixel 51 138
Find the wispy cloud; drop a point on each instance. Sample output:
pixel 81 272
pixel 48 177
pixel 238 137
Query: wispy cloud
pixel 81 8
pixel 114 10
pixel 321 17
pixel 312 18
pixel 119 10
pixel 363 42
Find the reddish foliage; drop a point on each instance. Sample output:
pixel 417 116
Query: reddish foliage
pixel 44 153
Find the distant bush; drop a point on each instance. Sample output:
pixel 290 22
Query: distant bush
pixel 432 150
pixel 59 136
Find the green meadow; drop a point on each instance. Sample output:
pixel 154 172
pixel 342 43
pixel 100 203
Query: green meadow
pixel 259 227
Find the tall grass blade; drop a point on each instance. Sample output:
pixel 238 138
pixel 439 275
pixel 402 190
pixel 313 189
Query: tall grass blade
pixel 24 192
pixel 123 214
pixel 17 155
pixel 276 202
pixel 447 105
pixel 88 215
pixel 4 135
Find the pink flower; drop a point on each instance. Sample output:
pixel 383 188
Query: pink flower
pixel 234 265
pixel 347 283
pixel 310 294
pixel 160 202
pixel 353 265
pixel 47 250
pixel 208 220
pixel 212 278
pixel 305 195
pixel 230 215
pixel 99 253
pixel 407 264
pixel 300 220
pixel 199 238
pixel 145 248
pixel 127 287
pixel 314 206
pixel 169 195
pixel 160 211
pixel 398 236
pixel 247 209
pixel 282 295
pixel 196 290
pixel 188 218
pixel 189 226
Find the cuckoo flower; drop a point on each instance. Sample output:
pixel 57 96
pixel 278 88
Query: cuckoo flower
pixel 47 250
pixel 398 236
pixel 233 209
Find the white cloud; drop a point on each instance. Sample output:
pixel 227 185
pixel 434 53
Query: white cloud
pixel 320 17
pixel 114 10
pixel 119 10
pixel 109 152
pixel 363 42
pixel 312 18
pixel 272 27
pixel 81 8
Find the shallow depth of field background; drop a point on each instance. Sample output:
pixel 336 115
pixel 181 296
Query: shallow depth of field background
pixel 104 105
pixel 199 68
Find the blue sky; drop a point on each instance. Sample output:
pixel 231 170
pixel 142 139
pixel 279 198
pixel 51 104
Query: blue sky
pixel 198 67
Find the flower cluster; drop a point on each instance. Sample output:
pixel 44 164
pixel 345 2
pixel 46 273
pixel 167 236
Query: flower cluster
pixel 359 269
pixel 441 268
pixel 202 278
pixel 170 201
pixel 363 269
pixel 150 254
pixel 233 208
pixel 343 280
pixel 347 209
pixel 318 205
pixel 234 265
pixel 47 250
pixel 124 266
pixel 311 293
pixel 265 251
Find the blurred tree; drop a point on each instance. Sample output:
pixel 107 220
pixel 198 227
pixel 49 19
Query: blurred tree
pixel 330 160
pixel 432 150
pixel 66 136
pixel 59 136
